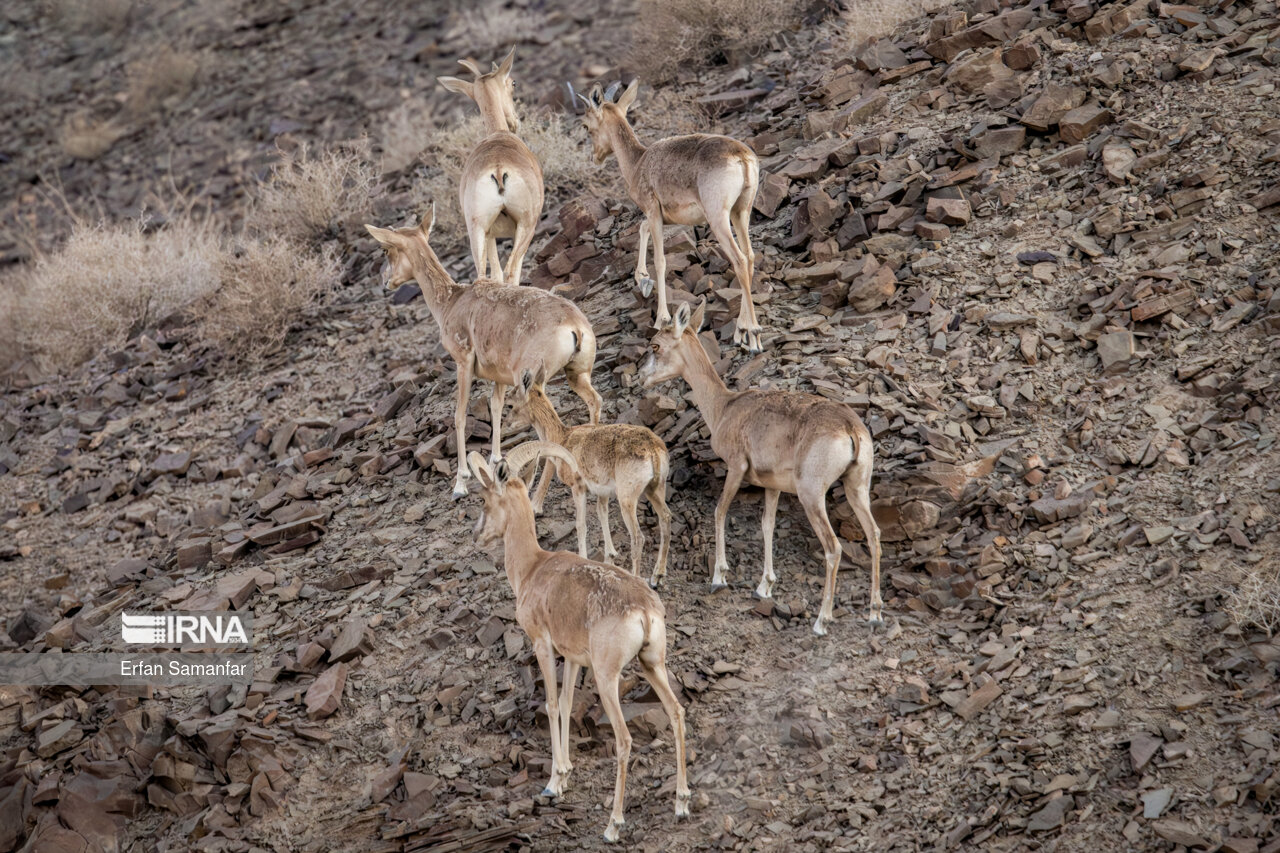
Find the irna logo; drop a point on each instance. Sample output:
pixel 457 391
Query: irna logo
pixel 185 629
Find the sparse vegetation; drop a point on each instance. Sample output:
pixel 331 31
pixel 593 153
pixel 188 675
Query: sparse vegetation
pixel 488 27
pixel 312 198
pixel 1255 603
pixel 671 33
pixel 264 286
pixel 110 281
pixel 84 16
pixel 159 80
pixel 404 134
pixel 865 19
pixel 87 138
pixel 107 282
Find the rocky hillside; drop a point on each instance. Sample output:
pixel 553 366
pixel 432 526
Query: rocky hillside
pixel 1032 244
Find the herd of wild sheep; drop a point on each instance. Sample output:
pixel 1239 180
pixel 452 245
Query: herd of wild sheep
pixel 594 614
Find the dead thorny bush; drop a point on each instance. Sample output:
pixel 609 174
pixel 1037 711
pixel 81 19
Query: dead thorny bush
pixel 159 80
pixel 866 19
pixel 311 198
pixel 265 285
pixel 110 281
pixel 670 33
pixel 107 282
pixel 87 138
pixel 84 16
pixel 1255 602
pixel 488 27
pixel 405 133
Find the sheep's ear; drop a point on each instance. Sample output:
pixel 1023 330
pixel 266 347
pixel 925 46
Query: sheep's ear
pixel 480 469
pixel 462 87
pixel 695 322
pixel 385 236
pixel 526 381
pixel 505 67
pixel 681 321
pixel 501 472
pixel 629 97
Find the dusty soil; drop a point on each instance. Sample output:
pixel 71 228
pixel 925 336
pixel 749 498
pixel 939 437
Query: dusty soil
pixel 1067 521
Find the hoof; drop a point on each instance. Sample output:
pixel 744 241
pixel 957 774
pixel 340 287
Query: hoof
pixel 763 592
pixel 646 286
pixel 654 583
pixel 875 618
pixel 613 832
pixel 716 587
pixel 682 805
pixel 459 492
pixel 548 793
pixel 820 628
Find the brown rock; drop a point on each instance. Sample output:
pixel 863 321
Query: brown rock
pixel 1000 141
pixel 771 193
pixel 979 699
pixel 392 403
pixel 1080 123
pixel 171 463
pixel 948 211
pixel 977 72
pixel 325 693
pixel 1056 101
pixel 873 287
pixel 1022 56
pixel 350 643
pixel 1115 349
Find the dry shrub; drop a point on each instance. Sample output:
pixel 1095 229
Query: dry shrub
pixel 12 288
pixel 865 19
pixel 159 80
pixel 84 16
pixel 1255 603
pixel 555 139
pixel 405 133
pixel 491 26
pixel 110 281
pixel 87 138
pixel 313 198
pixel 265 285
pixel 671 33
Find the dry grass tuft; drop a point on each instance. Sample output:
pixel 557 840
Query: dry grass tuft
pixel 671 33
pixel 1255 603
pixel 110 281
pixel 84 16
pixel 314 198
pixel 865 19
pixel 491 26
pixel 159 80
pixel 265 285
pixel 405 133
pixel 87 138
pixel 556 140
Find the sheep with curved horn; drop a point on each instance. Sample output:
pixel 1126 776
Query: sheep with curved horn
pixel 591 614
pixel 501 188
pixel 623 461
pixel 492 331
pixel 682 180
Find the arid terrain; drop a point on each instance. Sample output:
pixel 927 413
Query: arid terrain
pixel 1033 244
